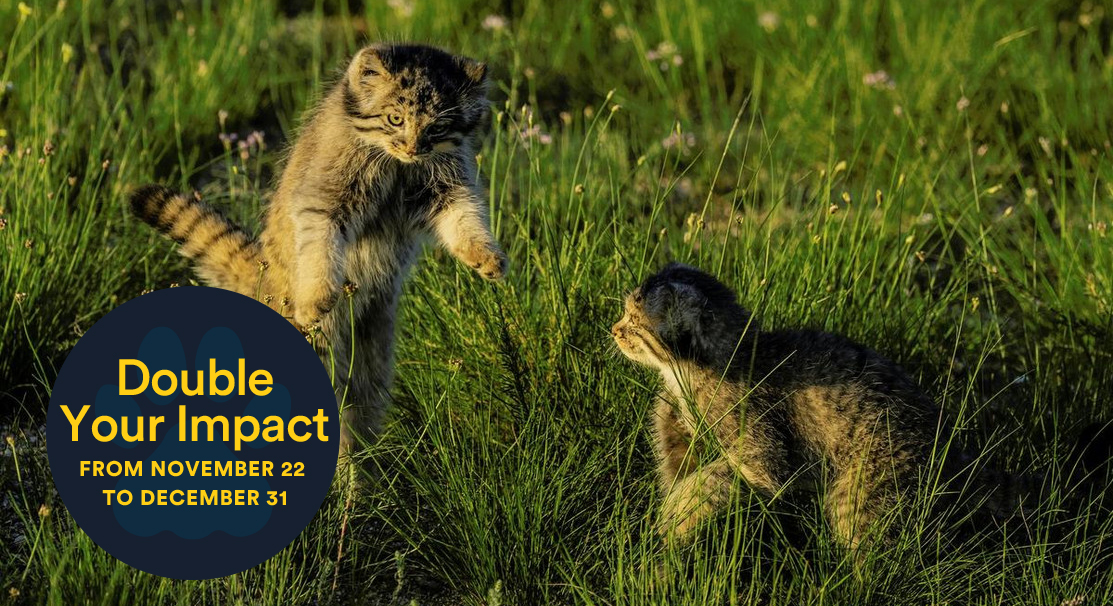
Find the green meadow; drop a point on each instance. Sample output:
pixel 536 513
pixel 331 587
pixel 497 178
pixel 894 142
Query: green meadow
pixel 932 179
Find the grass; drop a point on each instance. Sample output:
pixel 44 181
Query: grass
pixel 951 212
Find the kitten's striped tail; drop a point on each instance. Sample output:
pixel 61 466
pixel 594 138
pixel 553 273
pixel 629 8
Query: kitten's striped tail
pixel 224 255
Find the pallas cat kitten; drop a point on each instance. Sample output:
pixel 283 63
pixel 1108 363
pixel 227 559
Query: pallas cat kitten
pixel 386 157
pixel 791 411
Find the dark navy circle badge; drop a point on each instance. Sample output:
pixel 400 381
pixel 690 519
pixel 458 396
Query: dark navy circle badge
pixel 193 433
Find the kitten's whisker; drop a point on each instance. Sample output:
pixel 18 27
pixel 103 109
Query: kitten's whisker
pixel 445 112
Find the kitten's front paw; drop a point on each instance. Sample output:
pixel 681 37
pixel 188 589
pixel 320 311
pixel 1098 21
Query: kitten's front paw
pixel 491 263
pixel 306 316
pixel 673 528
pixel 307 326
pixel 680 514
pixel 686 525
pixel 307 320
pixel 302 322
pixel 304 319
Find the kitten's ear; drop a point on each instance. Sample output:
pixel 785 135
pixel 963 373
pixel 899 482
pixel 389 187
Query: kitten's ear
pixel 476 71
pixel 367 64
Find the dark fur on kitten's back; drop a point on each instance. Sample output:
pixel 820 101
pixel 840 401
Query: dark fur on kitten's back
pixel 791 411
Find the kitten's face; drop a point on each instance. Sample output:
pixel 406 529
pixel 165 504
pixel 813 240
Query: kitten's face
pixel 639 332
pixel 414 102
pixel 670 315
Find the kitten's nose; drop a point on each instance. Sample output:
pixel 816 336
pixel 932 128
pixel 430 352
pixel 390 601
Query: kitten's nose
pixel 617 328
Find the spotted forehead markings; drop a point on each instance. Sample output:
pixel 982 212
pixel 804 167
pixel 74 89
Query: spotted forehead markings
pixel 426 95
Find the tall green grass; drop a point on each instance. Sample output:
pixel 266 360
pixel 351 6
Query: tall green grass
pixel 933 180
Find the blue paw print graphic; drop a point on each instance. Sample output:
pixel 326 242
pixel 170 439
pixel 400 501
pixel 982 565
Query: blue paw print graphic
pixel 162 349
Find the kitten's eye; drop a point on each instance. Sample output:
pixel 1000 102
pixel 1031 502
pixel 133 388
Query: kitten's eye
pixel 394 119
pixel 436 130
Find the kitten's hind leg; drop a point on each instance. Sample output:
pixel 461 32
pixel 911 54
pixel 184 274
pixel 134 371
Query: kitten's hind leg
pixel 758 456
pixel 364 367
pixel 673 443
pixel 361 416
pixel 862 502
pixel 844 508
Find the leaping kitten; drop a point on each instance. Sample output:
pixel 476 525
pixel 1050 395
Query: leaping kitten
pixel 387 156
pixel 790 411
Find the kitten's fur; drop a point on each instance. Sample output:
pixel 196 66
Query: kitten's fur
pixel 387 156
pixel 791 411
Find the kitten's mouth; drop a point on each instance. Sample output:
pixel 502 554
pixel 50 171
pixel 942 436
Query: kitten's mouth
pixel 405 158
pixel 408 157
pixel 623 346
pixel 622 340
